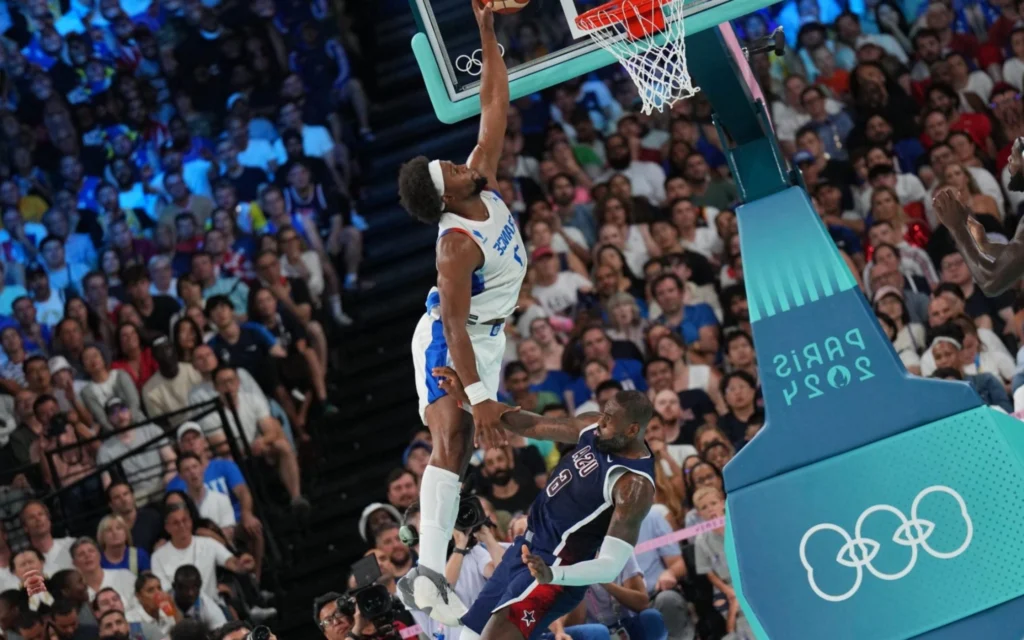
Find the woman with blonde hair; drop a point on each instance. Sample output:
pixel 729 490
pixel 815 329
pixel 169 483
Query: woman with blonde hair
pixel 114 539
pixel 957 176
pixel 669 490
pixel 625 322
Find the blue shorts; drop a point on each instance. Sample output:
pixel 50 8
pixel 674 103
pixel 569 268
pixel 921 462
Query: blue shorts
pixel 531 607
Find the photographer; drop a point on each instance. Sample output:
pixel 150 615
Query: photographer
pixel 476 553
pixel 63 429
pixel 242 630
pixel 333 622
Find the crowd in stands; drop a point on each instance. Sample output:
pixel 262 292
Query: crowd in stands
pixel 636 273
pixel 177 181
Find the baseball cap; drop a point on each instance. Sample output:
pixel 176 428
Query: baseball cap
pixel 187 427
pixel 58 363
pixel 416 444
pixel 113 403
pixel 886 290
pixel 541 252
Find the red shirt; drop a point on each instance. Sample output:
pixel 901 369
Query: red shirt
pixel 147 367
pixel 974 124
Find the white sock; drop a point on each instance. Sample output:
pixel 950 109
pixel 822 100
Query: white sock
pixel 439 506
pixel 335 302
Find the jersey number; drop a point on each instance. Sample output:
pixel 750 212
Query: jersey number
pixel 562 479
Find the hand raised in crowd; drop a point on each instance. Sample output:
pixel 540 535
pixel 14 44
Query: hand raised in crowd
pixel 251 524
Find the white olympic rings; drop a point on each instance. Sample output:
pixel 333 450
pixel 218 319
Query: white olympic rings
pixel 472 64
pixel 857 552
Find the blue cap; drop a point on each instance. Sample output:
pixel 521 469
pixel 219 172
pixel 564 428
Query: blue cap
pixel 803 156
pixel 415 444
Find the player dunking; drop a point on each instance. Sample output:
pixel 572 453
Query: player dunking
pixel 481 262
pixel 594 502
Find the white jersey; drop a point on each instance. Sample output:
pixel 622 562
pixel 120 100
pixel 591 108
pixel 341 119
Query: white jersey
pixel 495 287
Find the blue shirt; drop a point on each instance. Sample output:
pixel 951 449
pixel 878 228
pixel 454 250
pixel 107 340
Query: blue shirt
pixel 557 382
pixel 141 565
pixel 629 372
pixel 845 239
pixel 695 317
pixel 652 562
pixel 221 476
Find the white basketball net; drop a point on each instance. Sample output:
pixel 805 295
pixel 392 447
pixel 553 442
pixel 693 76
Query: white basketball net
pixel 659 70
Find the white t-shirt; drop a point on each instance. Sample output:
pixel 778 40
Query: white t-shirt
pixel 679 453
pixel 705 242
pixel 316 143
pixel 50 311
pixel 204 554
pixel 1013 72
pixel 788 120
pixel 259 154
pixel 217 508
pixel 58 557
pixel 647 178
pixel 979 84
pixel 252 407
pixel 909 188
pixel 562 294
pixel 8 580
pixel 138 614
pixel 120 580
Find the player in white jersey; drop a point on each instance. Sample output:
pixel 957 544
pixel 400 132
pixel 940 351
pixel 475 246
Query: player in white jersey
pixel 481 263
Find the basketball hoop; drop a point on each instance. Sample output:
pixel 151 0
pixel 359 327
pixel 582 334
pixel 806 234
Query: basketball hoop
pixel 646 37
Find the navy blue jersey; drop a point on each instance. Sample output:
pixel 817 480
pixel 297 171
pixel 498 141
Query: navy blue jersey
pixel 569 518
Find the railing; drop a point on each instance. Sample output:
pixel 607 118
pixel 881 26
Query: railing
pixel 77 506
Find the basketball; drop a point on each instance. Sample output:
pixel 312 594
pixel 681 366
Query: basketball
pixel 507 6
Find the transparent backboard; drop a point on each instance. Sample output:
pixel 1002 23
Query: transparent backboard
pixel 542 46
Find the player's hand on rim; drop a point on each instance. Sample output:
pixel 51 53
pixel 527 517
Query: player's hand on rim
pixel 539 569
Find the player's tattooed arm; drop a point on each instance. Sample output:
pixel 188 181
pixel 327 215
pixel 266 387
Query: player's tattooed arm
pixel 633 496
pixel 523 423
pixel 995 266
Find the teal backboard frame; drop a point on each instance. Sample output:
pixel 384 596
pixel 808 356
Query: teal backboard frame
pixel 451 108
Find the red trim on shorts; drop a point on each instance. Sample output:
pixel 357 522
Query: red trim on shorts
pixel 531 610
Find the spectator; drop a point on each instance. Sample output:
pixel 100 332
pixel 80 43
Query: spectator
pixel 167 391
pixel 184 548
pixel 234 289
pixel 402 490
pixel 106 384
pixel 145 523
pixel 134 357
pixel 114 539
pixel 108 607
pixel 156 311
pixel 63 275
pixel 213 506
pixel 332 621
pixel 35 518
pixel 502 483
pixel 193 601
pixel 262 432
pixel 153 603
pixel 68 585
pixel 86 556
pixel 144 458
pixel 709 559
pixel 387 541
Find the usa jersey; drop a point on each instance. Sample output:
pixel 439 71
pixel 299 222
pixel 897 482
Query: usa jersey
pixel 569 518
pixel 495 286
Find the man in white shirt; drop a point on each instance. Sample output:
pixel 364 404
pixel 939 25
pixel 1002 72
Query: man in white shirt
pixel 262 431
pixel 63 275
pixel 196 172
pixel 150 597
pixel 212 505
pixel 35 518
pixel 316 140
pixel 148 470
pixel 252 152
pixel 205 554
pixel 193 602
pixel 86 555
pixel 647 178
pixel 48 301
pixel 788 115
pixel 556 291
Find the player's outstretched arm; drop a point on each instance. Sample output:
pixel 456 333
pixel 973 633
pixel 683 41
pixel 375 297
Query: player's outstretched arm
pixel 494 99
pixel 523 423
pixel 633 496
pixel 994 266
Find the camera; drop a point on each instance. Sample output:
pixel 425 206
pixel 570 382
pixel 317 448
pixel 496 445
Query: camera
pixel 259 633
pixel 373 600
pixel 58 424
pixel 471 515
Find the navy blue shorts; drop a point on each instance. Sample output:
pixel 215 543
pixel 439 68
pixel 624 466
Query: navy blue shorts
pixel 531 607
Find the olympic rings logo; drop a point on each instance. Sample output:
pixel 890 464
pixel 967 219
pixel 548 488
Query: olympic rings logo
pixel 858 552
pixel 472 64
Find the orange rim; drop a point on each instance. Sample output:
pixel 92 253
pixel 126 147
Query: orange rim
pixel 614 12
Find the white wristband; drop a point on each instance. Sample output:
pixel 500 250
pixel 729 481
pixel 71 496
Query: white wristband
pixel 477 393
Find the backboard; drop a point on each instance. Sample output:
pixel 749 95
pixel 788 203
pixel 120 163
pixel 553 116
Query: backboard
pixel 543 46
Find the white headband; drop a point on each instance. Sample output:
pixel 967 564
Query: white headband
pixel 948 340
pixel 436 176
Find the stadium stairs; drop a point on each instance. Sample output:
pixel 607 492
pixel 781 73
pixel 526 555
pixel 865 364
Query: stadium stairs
pixel 375 390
